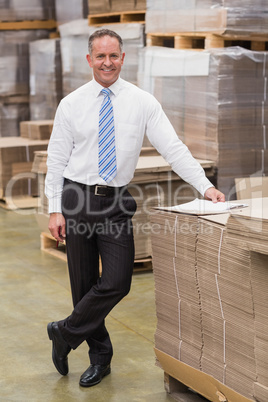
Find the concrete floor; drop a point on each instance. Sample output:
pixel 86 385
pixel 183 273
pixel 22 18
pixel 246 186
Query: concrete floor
pixel 34 290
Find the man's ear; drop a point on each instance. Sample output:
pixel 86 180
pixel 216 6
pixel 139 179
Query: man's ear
pixel 122 58
pixel 89 60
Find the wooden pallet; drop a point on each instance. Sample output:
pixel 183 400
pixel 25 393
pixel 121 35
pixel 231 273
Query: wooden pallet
pixel 14 99
pixel 20 202
pixel 25 25
pixel 112 18
pixel 202 41
pixel 180 392
pixel 49 245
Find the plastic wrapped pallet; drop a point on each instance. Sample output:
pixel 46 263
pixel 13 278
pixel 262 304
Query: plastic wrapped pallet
pixel 74 47
pixel 227 16
pixel 14 58
pixel 45 78
pixel 216 101
pixel 76 9
pixel 16 10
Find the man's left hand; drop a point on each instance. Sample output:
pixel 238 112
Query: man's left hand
pixel 214 195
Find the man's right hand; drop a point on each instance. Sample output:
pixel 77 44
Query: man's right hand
pixel 56 226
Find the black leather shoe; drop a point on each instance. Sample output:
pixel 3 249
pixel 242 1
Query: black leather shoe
pixel 60 348
pixel 94 374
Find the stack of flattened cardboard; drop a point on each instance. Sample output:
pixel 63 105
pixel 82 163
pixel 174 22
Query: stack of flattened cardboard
pixel 231 282
pixel 179 331
pixel 223 273
pixel 113 6
pixel 16 157
pixel 248 230
pixel 36 130
pixel 216 101
pixel 45 78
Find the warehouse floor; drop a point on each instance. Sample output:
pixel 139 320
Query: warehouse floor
pixel 34 290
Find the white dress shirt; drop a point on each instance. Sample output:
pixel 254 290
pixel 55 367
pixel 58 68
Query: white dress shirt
pixel 73 146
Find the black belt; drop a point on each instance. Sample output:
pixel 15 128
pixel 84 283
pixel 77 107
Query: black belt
pixel 99 189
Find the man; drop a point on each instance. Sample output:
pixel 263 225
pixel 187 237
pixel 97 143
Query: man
pixel 93 151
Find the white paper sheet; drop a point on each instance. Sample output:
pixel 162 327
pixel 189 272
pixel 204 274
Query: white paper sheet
pixel 204 207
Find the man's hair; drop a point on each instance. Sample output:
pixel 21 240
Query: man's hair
pixel 104 32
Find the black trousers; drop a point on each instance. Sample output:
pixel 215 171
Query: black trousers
pixel 96 226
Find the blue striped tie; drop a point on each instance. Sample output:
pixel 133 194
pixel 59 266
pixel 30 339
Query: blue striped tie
pixel 107 155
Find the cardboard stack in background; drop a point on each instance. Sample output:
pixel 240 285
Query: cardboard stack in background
pixel 113 6
pixel 215 253
pixel 216 101
pixel 74 47
pixel 228 16
pixel 45 78
pixel 16 158
pixel 36 130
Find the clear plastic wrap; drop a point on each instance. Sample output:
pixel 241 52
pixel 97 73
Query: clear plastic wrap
pixel 218 16
pixel 221 115
pixel 45 78
pixel 76 9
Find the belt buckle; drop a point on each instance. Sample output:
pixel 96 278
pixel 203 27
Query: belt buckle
pixel 96 191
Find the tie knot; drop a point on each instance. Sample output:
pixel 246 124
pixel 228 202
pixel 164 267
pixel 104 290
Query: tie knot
pixel 106 91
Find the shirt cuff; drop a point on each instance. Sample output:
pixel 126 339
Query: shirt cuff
pixel 54 205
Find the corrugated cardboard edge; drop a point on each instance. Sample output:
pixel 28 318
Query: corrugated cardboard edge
pixel 202 383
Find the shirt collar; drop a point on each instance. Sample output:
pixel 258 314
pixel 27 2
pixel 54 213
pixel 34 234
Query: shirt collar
pixel 115 87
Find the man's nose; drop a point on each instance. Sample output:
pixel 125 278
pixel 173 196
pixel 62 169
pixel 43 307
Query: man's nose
pixel 107 61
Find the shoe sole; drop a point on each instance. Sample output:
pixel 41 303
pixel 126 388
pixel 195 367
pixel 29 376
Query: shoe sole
pixel 50 335
pixel 108 371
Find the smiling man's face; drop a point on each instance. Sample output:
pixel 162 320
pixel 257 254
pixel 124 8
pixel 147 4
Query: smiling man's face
pixel 106 60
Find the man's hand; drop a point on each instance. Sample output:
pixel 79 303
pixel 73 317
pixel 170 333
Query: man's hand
pixel 56 226
pixel 214 195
